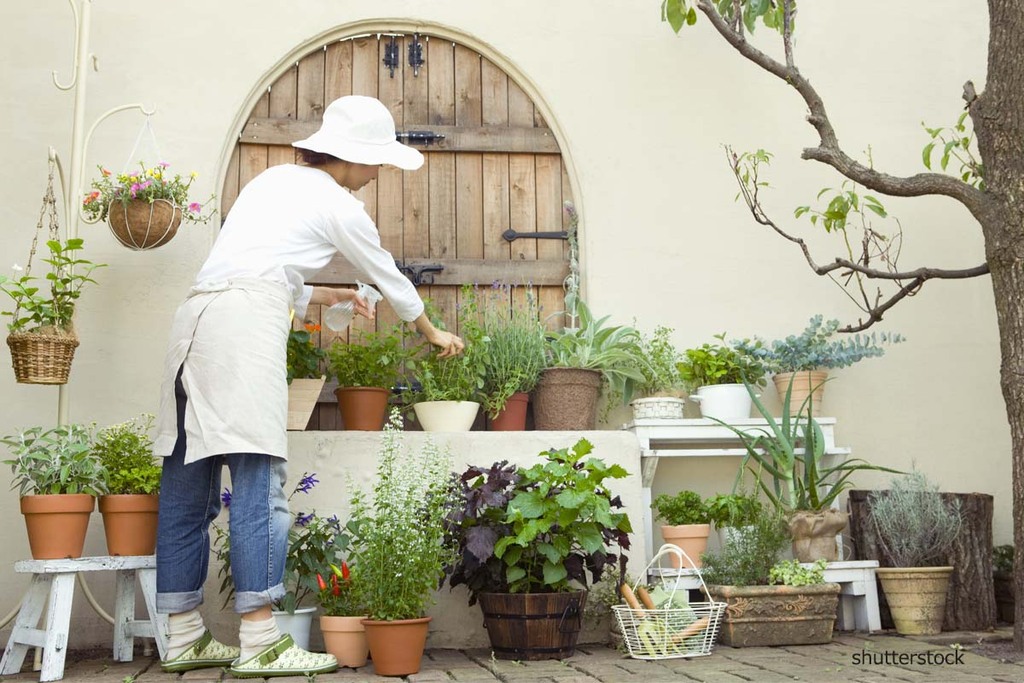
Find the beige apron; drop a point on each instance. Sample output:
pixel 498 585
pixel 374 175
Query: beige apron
pixel 229 340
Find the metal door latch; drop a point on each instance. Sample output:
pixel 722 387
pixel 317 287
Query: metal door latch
pixel 420 137
pixel 511 235
pixel 420 274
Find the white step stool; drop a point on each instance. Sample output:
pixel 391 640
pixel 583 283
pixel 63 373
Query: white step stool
pixel 858 595
pixel 53 585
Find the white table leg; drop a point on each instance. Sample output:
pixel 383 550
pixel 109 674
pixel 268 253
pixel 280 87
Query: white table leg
pixel 25 634
pixel 58 623
pixel 124 614
pixel 147 582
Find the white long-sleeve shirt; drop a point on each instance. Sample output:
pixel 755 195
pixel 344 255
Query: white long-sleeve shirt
pixel 288 223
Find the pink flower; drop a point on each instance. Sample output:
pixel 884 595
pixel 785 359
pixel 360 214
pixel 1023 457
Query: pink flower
pixel 105 172
pixel 135 189
pixel 195 207
pixel 163 164
pixel 146 184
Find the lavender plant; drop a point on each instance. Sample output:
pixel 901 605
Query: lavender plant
pixel 915 525
pixel 515 350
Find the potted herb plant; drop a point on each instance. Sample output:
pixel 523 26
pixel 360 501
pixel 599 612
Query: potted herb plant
pixel 514 359
pixel 579 359
pixel 58 478
pixel 687 524
pixel 800 363
pixel 769 602
pixel 450 390
pixel 130 506
pixel 527 538
pixel 306 374
pixel 143 208
pixel 401 547
pixel 315 543
pixel 341 623
pixel 659 390
pixel 367 368
pixel 715 373
pixel 915 528
pixel 790 453
pixel 41 335
pixel 732 511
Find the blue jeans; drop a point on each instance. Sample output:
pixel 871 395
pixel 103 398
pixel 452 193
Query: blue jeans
pixel 258 526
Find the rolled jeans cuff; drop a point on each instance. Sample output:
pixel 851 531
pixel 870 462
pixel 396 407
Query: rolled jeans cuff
pixel 250 601
pixel 176 603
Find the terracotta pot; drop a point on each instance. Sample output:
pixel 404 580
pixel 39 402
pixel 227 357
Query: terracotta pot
pixel 513 417
pixel 303 393
pixel 57 524
pixel 692 538
pixel 566 399
pixel 446 416
pixel 916 597
pixel 397 646
pixel 345 638
pixel 129 522
pixel 363 408
pixel 814 533
pixel 533 626
pixel 805 383
pixel 140 225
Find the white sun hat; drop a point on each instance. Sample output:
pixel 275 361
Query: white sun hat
pixel 361 130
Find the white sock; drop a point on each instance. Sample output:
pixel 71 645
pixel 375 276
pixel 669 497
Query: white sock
pixel 256 636
pixel 183 630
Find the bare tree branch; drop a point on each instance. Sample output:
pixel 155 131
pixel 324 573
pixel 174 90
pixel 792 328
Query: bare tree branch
pixel 829 151
pixel 909 281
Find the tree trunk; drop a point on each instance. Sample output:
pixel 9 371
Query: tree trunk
pixel 970 603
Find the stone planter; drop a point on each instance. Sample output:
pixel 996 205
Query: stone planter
pixel 916 597
pixel 760 616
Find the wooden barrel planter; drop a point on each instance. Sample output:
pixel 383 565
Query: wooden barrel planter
pixel 533 626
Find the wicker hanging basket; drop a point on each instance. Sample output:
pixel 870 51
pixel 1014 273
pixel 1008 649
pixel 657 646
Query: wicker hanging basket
pixel 141 225
pixel 41 358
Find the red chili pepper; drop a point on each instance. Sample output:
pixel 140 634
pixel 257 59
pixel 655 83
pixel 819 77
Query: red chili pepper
pixel 320 582
pixel 335 588
pixel 345 573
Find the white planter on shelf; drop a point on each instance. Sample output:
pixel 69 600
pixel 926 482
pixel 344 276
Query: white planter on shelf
pixel 658 408
pixel 446 416
pixel 726 402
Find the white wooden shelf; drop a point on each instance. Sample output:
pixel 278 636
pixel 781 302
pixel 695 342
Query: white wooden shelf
pixel 703 437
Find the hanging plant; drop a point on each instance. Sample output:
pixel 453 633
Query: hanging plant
pixel 145 207
pixel 42 337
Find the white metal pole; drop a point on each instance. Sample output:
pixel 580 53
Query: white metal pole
pixel 73 190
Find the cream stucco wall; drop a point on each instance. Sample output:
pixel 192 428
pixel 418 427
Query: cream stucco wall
pixel 642 115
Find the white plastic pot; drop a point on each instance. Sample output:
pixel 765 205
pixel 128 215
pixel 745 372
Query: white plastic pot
pixel 446 416
pixel 726 402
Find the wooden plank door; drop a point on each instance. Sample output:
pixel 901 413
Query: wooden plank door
pixel 498 167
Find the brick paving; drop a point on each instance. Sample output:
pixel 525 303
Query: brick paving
pixel 858 658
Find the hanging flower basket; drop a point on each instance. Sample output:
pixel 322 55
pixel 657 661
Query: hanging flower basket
pixel 41 358
pixel 140 224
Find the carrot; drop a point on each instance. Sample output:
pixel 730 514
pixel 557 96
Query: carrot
pixel 691 630
pixel 645 597
pixel 627 594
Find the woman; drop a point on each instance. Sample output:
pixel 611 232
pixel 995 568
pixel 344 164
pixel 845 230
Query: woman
pixel 224 397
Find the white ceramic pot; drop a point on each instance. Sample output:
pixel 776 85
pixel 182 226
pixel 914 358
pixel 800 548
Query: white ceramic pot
pixel 297 625
pixel 446 416
pixel 726 402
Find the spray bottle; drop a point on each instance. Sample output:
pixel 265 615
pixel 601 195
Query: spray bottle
pixel 339 316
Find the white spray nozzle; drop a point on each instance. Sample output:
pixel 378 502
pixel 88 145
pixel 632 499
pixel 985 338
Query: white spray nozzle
pixel 368 294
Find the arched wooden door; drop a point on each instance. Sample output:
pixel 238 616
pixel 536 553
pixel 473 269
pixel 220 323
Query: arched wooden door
pixel 497 168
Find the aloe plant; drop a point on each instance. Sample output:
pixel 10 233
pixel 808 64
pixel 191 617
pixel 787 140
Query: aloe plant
pixel 791 451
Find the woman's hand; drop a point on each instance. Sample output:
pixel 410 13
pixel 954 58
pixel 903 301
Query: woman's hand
pixel 328 296
pixel 450 344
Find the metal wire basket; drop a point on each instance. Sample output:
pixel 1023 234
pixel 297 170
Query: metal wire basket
pixel 669 632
